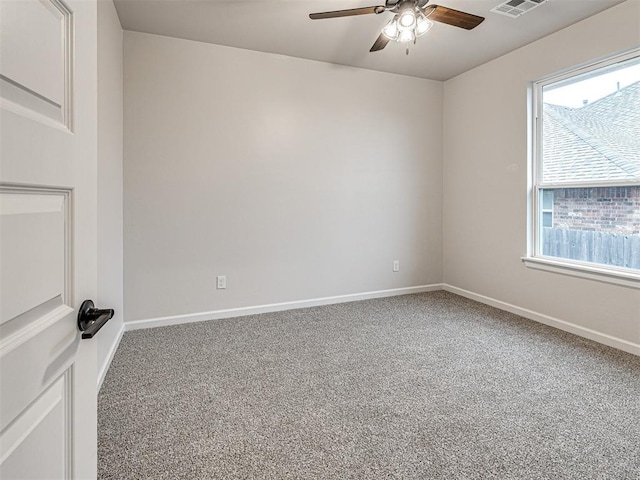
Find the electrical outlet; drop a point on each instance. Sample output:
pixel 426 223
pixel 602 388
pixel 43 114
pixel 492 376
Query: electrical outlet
pixel 222 282
pixel 396 265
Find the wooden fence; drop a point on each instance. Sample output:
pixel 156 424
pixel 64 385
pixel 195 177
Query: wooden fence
pixel 590 246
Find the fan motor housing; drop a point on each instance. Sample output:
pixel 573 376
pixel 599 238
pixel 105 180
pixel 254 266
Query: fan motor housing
pixel 394 5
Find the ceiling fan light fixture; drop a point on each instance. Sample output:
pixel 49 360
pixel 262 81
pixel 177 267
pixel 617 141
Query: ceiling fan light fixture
pixel 406 26
pixel 406 36
pixel 423 25
pixel 390 30
pixel 407 20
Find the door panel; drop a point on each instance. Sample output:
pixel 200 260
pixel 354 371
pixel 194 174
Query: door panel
pixel 48 244
pixel 33 249
pixel 35 445
pixel 40 31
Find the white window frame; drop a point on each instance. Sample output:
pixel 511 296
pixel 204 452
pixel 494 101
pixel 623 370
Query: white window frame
pixel 534 259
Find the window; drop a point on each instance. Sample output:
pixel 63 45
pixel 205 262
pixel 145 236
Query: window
pixel 546 208
pixel 586 171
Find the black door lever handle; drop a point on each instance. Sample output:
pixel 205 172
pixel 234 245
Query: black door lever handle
pixel 91 319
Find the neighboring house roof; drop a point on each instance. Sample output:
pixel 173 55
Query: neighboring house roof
pixel 599 141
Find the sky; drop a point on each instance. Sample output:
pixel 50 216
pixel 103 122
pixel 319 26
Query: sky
pixel 592 89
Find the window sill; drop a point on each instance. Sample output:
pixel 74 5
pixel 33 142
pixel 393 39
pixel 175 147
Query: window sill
pixel 591 272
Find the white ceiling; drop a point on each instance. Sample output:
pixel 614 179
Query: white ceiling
pixel 284 27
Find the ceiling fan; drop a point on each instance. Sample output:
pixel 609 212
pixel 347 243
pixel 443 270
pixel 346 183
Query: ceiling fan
pixel 413 18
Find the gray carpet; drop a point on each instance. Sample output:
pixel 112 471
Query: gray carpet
pixel 429 386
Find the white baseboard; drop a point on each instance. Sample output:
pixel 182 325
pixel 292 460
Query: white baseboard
pixel 273 307
pixel 594 335
pixel 104 368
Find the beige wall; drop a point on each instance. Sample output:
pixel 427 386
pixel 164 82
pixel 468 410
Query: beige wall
pixel 295 179
pixel 485 180
pixel 299 179
pixel 110 240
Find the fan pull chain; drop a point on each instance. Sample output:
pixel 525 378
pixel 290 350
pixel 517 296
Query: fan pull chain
pixel 414 42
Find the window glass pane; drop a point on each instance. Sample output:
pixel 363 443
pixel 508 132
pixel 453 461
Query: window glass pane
pixel 590 126
pixel 599 225
pixel 547 200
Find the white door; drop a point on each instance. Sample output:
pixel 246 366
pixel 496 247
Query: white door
pixel 48 165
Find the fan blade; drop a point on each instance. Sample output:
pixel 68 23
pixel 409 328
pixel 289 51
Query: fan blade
pixel 347 13
pixel 380 43
pixel 452 17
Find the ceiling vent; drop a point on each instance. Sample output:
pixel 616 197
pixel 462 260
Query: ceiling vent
pixel 515 8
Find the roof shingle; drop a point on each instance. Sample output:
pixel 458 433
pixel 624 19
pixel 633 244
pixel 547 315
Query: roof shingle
pixel 599 141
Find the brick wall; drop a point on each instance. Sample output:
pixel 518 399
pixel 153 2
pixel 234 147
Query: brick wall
pixel 609 209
